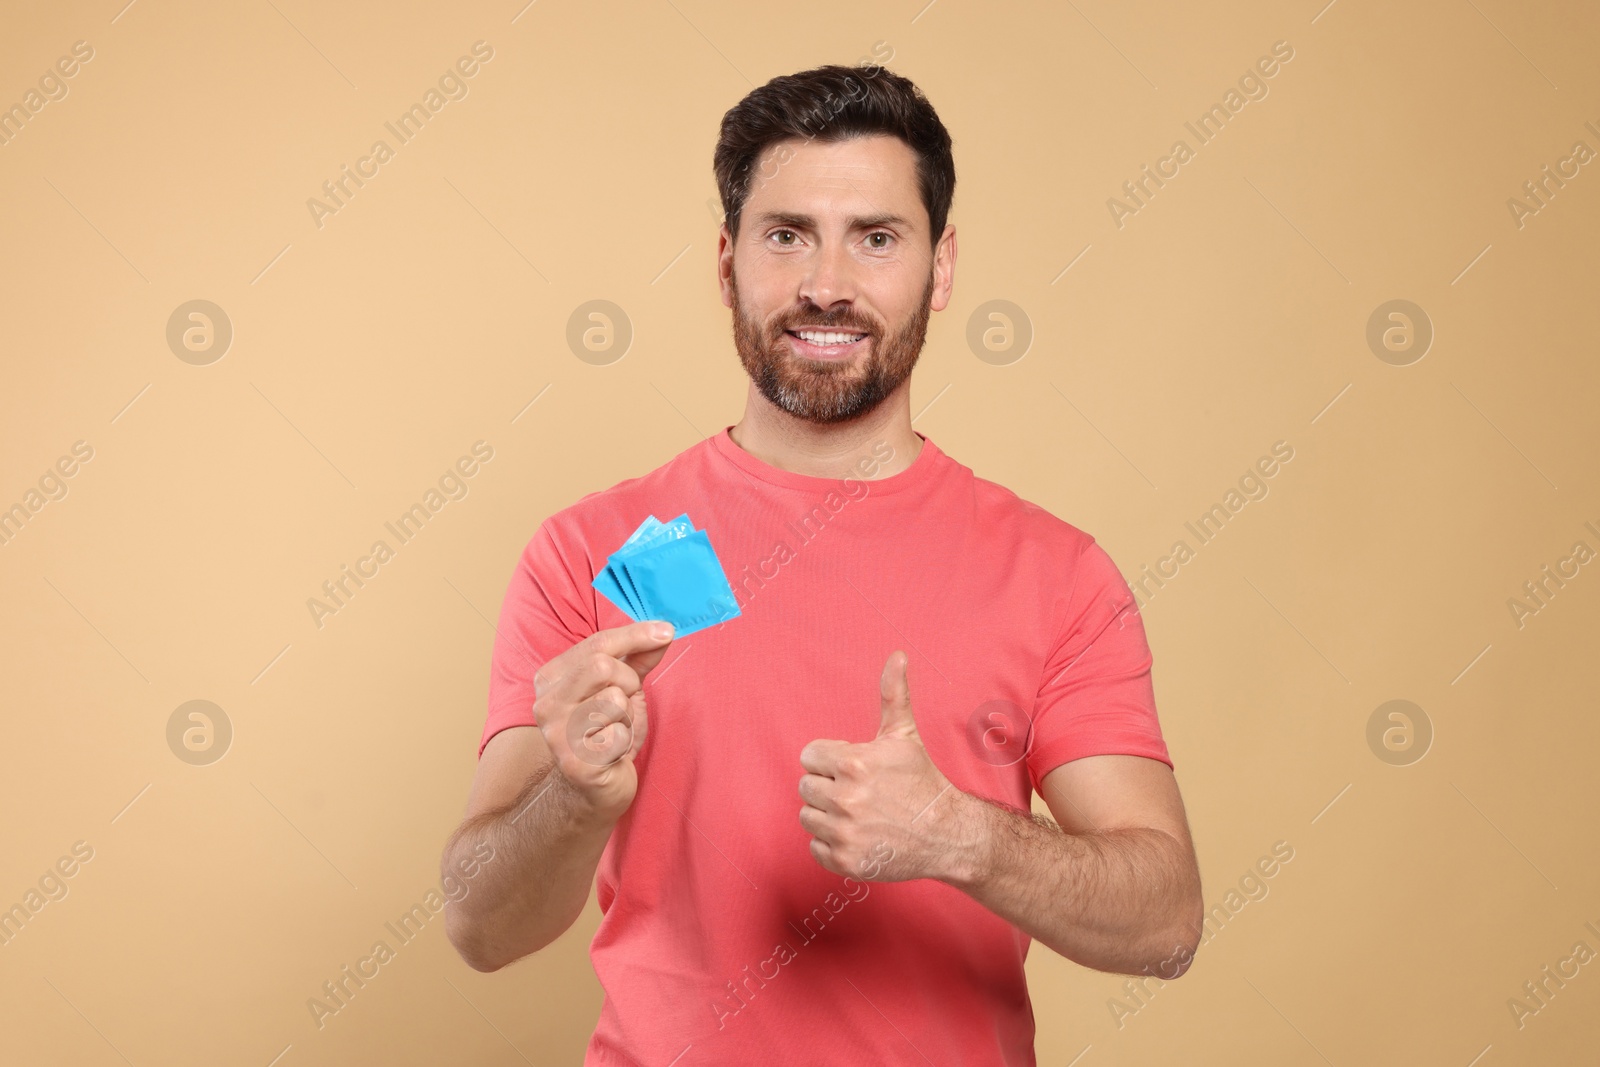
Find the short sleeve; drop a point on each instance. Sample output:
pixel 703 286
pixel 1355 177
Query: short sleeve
pixel 548 608
pixel 1096 697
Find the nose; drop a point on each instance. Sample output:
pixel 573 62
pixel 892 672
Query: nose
pixel 829 277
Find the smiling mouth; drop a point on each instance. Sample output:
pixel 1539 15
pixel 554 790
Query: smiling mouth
pixel 825 344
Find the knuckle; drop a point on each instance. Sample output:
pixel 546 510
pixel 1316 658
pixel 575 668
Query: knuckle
pixel 627 678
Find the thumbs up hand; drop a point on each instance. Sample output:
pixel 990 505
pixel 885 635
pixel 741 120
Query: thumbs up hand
pixel 878 810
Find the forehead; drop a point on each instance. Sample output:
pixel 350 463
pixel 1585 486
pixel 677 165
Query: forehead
pixel 858 176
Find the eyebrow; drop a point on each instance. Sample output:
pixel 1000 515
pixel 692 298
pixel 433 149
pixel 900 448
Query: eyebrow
pixel 807 222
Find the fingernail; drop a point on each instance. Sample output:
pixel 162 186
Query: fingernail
pixel 662 632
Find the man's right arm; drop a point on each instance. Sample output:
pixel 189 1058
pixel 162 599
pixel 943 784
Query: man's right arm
pixel 546 797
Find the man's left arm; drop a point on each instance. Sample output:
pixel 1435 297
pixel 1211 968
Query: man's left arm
pixel 1112 884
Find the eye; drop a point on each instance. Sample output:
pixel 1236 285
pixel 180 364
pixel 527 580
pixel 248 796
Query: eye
pixel 791 233
pixel 887 237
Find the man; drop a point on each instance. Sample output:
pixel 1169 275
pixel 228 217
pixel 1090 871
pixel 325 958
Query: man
pixel 803 857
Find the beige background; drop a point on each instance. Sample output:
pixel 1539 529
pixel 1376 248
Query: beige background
pixel 1228 314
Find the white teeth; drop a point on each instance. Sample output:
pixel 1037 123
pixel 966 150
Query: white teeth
pixel 817 337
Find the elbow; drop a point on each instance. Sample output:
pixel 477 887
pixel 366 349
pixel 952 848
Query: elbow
pixel 1169 962
pixel 483 944
pixel 1174 955
pixel 475 950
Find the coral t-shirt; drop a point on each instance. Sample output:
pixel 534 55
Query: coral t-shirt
pixel 722 940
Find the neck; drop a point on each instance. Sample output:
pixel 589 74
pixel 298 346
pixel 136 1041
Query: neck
pixel 777 438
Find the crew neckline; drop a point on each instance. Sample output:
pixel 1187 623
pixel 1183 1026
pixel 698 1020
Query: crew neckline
pixel 921 469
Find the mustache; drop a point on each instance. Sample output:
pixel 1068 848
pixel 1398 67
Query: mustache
pixel 823 322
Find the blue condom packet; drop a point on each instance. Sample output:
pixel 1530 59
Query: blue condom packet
pixel 668 571
pixel 608 582
pixel 614 579
pixel 681 581
pixel 644 538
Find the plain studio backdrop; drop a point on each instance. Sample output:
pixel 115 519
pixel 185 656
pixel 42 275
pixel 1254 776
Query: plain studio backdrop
pixel 223 381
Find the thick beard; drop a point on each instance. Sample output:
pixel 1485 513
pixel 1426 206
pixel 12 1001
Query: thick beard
pixel 822 392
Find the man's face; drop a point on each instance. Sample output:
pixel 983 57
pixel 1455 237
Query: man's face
pixel 832 277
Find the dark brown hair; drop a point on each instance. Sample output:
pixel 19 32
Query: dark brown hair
pixel 835 103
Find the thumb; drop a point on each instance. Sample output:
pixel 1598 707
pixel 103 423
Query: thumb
pixel 898 720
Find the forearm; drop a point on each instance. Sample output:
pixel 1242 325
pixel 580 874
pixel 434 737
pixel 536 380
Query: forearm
pixel 1124 900
pixel 547 846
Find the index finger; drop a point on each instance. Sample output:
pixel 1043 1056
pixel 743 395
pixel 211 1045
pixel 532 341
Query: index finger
pixel 822 757
pixel 638 644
